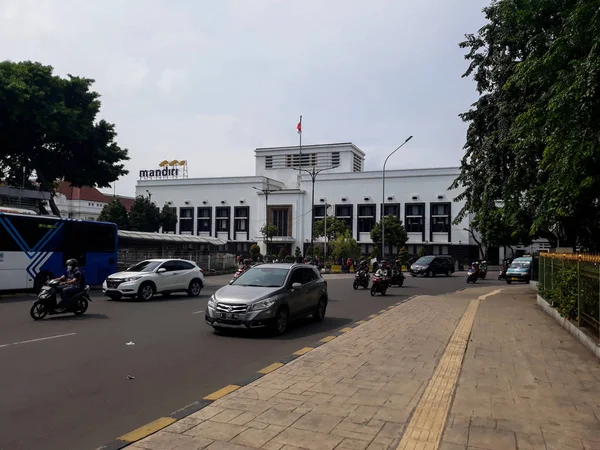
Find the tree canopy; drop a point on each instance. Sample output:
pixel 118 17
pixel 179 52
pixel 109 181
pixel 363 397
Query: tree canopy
pixel 345 246
pixel 532 144
pixel 335 228
pixel 168 219
pixel 116 213
pixel 395 233
pixel 48 126
pixel 144 215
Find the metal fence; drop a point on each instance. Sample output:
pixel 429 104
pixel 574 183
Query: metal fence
pixel 208 262
pixel 581 273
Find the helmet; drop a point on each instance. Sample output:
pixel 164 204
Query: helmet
pixel 397 261
pixel 246 261
pixel 72 262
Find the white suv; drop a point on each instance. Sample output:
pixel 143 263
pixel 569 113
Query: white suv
pixel 155 276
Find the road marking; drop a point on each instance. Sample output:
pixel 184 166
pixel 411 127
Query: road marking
pixel 198 312
pixel 383 310
pixel 147 429
pixel 372 316
pixel 360 322
pixel 37 340
pixel 222 392
pixel 303 351
pixel 483 297
pixel 345 330
pixel 427 424
pixel 270 368
pixel 328 339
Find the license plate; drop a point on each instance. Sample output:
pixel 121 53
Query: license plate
pixel 229 316
pixel 514 279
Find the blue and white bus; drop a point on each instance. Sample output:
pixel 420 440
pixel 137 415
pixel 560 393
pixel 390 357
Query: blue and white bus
pixel 33 248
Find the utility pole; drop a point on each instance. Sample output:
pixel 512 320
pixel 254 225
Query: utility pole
pixel 266 193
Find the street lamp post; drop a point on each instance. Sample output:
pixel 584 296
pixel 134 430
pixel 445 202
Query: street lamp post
pixel 327 205
pixel 313 176
pixel 266 193
pixel 383 202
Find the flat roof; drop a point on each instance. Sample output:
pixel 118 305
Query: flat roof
pixel 173 238
pixel 310 146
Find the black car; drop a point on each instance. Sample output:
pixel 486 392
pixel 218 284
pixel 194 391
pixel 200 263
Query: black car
pixel 431 266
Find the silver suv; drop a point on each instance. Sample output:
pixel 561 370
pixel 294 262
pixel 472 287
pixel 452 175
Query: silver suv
pixel 269 296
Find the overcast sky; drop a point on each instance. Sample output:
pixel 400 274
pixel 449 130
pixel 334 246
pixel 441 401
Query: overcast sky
pixel 210 80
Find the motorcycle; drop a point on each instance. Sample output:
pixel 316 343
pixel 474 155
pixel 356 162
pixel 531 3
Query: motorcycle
pixel 502 274
pixel 397 278
pixel 378 286
pixel 240 271
pixel 361 278
pixel 483 272
pixel 46 302
pixel 472 275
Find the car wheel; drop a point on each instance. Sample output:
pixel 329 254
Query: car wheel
pixel 508 281
pixel 194 288
pixel 146 292
pixel 319 313
pixel 430 274
pixel 449 273
pixel 280 324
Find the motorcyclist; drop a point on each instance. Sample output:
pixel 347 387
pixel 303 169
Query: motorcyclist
pixel 363 266
pixel 398 266
pixel 72 283
pixel 384 273
pixel 245 264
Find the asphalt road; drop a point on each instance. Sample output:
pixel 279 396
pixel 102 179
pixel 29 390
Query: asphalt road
pixel 64 380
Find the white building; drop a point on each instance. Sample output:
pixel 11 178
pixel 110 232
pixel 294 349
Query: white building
pixel 235 207
pixel 83 203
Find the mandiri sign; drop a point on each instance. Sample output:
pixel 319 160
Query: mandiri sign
pixel 168 169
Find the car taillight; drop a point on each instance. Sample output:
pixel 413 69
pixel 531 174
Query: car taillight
pixel 201 270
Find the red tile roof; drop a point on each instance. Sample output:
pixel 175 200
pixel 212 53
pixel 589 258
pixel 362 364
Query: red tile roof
pixel 90 194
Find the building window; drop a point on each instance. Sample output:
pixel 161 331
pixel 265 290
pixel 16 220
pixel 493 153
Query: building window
pixel 280 218
pixel 344 213
pixel 415 218
pixel 366 218
pixel 205 220
pixel 357 166
pixel 308 160
pixel 268 162
pixel 222 219
pixel 335 159
pixel 186 220
pixel 318 212
pixel 391 209
pixel 240 217
pixel 440 217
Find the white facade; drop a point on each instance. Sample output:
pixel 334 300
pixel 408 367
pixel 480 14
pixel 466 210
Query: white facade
pixel 419 197
pixel 78 209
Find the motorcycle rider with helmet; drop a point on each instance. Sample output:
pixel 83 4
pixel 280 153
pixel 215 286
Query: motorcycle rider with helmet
pixel 384 273
pixel 72 283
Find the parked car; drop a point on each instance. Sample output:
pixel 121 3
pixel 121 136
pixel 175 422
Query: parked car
pixel 519 270
pixel 155 276
pixel 269 296
pixel 431 266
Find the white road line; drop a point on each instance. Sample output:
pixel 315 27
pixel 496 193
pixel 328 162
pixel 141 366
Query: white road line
pixel 198 312
pixel 36 340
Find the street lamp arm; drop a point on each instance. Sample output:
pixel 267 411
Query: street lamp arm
pixel 397 148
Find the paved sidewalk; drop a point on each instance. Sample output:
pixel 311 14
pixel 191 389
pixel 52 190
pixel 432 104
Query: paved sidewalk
pixel 400 381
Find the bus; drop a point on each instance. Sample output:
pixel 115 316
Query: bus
pixel 33 248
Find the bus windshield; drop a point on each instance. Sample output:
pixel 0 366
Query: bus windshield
pixel 33 248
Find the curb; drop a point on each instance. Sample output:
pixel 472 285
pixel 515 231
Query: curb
pixel 163 422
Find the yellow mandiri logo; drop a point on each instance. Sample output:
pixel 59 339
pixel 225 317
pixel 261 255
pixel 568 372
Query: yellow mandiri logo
pixel 172 163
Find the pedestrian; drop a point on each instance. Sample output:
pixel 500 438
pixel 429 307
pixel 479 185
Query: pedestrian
pixel 348 264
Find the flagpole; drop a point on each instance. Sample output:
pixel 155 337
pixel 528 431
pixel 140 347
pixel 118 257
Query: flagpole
pixel 300 134
pixel 300 150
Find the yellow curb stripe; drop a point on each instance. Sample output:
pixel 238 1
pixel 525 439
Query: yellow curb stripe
pixel 222 392
pixel 147 430
pixel 303 351
pixel 360 322
pixel 345 330
pixel 372 316
pixel 425 429
pixel 328 339
pixel 383 310
pixel 271 368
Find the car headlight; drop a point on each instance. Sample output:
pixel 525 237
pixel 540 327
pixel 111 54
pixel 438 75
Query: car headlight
pixel 212 303
pixel 132 278
pixel 263 304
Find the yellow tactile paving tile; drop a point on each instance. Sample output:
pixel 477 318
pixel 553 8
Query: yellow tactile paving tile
pixel 424 432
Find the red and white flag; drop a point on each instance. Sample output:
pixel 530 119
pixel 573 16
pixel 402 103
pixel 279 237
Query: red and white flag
pixel 299 126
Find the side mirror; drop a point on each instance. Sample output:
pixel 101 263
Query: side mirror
pixel 296 285
pixel 161 270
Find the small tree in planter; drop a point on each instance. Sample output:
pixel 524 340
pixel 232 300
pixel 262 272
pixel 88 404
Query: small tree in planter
pixel 254 252
pixel 282 253
pixel 297 252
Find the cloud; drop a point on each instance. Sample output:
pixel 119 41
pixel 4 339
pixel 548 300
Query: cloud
pixel 171 78
pixel 238 74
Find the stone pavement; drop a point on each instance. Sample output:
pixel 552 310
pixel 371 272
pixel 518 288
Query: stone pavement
pixel 478 369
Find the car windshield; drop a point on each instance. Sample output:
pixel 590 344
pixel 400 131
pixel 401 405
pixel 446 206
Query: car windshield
pixel 424 260
pixel 520 264
pixel 144 266
pixel 262 277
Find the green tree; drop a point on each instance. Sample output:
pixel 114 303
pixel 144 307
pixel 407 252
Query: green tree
pixel 254 251
pixel 49 126
pixel 532 141
pixel 268 231
pixel 404 257
pixel 168 219
pixel 144 215
pixel 116 213
pixel 345 246
pixel 395 234
pixel 297 252
pixel 335 228
pixel 422 252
